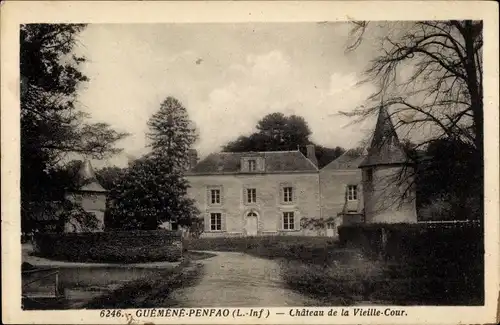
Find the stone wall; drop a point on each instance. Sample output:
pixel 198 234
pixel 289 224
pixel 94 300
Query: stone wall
pixel 384 202
pixel 94 203
pixel 333 186
pixel 269 207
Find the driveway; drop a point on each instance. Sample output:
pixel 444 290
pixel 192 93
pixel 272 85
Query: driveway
pixel 239 280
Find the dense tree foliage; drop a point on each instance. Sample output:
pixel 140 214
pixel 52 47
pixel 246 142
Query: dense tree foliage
pixel 153 189
pixel 172 134
pixel 446 181
pixel 277 132
pixel 51 126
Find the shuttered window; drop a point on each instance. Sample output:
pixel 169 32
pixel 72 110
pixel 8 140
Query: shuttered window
pixel 215 221
pixel 288 221
pixel 214 195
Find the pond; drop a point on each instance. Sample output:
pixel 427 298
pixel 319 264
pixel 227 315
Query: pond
pixel 78 285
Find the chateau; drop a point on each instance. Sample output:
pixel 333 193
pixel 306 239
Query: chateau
pixel 284 192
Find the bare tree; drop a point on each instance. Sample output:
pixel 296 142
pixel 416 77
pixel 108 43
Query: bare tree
pixel 429 75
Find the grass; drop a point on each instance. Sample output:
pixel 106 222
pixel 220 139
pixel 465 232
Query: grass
pixel 319 267
pixel 317 250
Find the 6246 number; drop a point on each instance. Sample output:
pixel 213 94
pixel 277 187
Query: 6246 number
pixel 110 313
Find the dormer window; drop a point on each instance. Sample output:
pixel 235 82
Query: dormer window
pixel 252 165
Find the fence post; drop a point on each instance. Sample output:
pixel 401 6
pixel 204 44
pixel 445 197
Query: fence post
pixel 56 291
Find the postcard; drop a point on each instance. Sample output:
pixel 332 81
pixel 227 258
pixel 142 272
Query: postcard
pixel 260 162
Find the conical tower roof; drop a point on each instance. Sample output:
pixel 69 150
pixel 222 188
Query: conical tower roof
pixel 88 178
pixel 86 172
pixel 385 148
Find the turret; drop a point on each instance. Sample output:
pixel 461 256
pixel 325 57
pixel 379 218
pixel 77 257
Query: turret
pixel 387 173
pixel 91 196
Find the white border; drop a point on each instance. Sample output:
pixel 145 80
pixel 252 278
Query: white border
pixel 15 13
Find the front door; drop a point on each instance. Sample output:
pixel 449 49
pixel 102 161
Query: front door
pixel 251 224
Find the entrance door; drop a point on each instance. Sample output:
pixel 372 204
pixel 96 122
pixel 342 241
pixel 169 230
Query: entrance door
pixel 251 224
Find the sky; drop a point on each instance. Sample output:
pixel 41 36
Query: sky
pixel 228 76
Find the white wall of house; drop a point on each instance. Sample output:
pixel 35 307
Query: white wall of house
pixel 383 195
pixel 94 203
pixel 270 206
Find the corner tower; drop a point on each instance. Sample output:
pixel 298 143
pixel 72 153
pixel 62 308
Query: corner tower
pixel 91 197
pixel 387 176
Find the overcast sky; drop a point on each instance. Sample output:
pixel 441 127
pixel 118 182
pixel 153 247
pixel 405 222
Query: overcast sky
pixel 228 76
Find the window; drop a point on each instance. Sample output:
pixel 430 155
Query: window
pixel 352 192
pixel 369 175
pixel 251 195
pixel 288 221
pixel 215 196
pixel 215 221
pixel 287 194
pixel 252 164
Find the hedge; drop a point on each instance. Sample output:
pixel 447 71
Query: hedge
pixel 453 253
pixel 306 248
pixel 111 246
pixel 405 240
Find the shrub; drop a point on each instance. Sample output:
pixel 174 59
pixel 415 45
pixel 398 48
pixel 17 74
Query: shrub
pixel 311 249
pixel 445 260
pixel 111 247
pixel 407 240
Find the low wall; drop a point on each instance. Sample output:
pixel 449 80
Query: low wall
pixel 111 246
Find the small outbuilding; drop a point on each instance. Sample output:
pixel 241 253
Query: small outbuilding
pixel 91 196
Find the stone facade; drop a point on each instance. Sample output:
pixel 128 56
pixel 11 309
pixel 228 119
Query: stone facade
pixel 265 214
pixel 91 196
pixel 94 203
pixel 255 193
pixel 259 193
pixel 389 190
pixel 387 199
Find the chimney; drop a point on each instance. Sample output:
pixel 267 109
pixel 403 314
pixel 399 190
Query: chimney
pixel 193 158
pixel 311 154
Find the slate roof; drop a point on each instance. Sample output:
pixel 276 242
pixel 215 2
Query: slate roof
pixel 348 160
pixel 385 148
pixel 87 177
pixel 92 187
pixel 275 162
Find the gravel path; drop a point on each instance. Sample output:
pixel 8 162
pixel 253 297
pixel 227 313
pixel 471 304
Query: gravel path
pixel 239 280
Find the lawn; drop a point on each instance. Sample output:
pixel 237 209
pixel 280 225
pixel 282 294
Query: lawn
pixel 317 250
pixel 320 267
